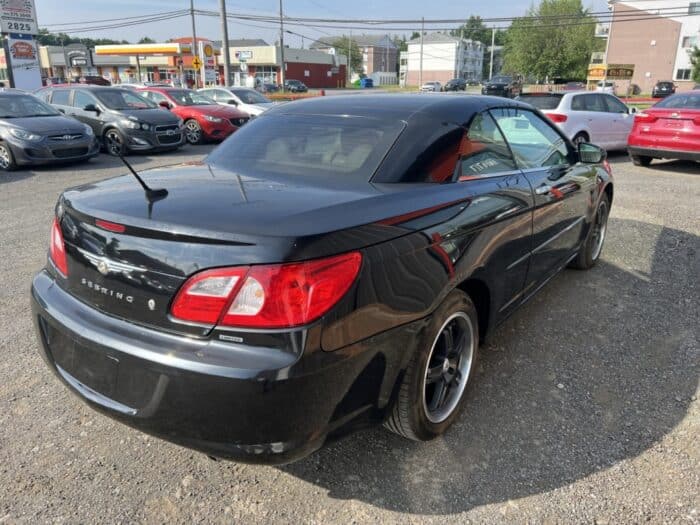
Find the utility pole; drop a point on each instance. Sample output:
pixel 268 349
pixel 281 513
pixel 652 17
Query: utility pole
pixel 282 72
pixel 225 49
pixel 348 69
pixel 194 41
pixel 420 70
pixel 493 43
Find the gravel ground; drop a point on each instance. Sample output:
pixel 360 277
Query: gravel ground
pixel 584 408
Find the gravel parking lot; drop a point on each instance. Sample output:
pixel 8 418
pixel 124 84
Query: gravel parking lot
pixel 584 407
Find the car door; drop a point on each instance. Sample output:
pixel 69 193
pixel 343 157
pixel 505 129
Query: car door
pixel 591 112
pixel 81 99
pixel 622 121
pixel 563 190
pixel 490 238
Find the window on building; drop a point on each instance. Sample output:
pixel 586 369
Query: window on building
pixel 694 8
pixel 683 74
pixel 690 41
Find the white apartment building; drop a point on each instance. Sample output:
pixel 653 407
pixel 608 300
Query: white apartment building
pixel 444 57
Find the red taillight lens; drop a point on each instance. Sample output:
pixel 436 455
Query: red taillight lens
pixel 556 117
pixel 57 250
pixel 645 118
pixel 269 296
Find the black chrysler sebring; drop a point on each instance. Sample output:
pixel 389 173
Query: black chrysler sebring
pixel 334 264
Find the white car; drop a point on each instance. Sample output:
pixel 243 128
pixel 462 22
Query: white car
pixel 587 116
pixel 431 87
pixel 605 86
pixel 247 100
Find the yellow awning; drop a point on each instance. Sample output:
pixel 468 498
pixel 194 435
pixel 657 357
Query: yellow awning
pixel 167 48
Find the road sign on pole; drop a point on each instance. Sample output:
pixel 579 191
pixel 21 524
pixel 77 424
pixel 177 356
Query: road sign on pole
pixel 196 63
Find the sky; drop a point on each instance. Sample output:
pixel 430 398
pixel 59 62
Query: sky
pixel 78 11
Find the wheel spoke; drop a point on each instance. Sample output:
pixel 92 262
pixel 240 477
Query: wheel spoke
pixel 448 340
pixel 439 396
pixel 434 374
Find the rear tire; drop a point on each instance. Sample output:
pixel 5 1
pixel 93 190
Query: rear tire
pixel 641 160
pixel 591 249
pixel 7 159
pixel 580 138
pixel 439 373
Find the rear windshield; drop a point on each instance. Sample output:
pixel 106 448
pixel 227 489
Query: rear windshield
pixel 308 146
pixel 681 100
pixel 542 101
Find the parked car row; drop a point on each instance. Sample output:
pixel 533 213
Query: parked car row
pixel 73 122
pixel 670 129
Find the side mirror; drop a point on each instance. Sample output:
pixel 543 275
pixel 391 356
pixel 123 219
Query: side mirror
pixel 165 104
pixel 633 110
pixel 91 107
pixel 232 101
pixel 590 153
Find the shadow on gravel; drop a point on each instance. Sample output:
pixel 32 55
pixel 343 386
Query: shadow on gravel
pixel 598 368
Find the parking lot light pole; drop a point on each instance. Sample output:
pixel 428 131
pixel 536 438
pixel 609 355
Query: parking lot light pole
pixel 194 41
pixel 224 44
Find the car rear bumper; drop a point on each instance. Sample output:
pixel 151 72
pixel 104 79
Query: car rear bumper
pixel 252 404
pixel 28 153
pixel 662 153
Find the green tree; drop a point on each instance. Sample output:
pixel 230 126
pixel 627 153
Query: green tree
pixel 62 39
pixel 695 61
pixel 342 45
pixel 146 40
pixel 538 46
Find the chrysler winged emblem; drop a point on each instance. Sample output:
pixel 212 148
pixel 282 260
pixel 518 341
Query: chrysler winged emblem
pixel 105 265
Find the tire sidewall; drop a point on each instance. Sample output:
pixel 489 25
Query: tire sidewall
pixel 456 301
pixel 590 261
pixel 201 132
pixel 11 156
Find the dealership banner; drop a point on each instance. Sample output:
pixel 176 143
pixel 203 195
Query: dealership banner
pixel 24 62
pixel 18 16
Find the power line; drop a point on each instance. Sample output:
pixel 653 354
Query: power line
pixel 124 18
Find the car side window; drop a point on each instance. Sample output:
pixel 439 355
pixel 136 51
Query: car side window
pixel 533 141
pixel 61 97
pixel 594 103
pixel 483 149
pixel 155 97
pixel 577 103
pixel 82 99
pixel 614 105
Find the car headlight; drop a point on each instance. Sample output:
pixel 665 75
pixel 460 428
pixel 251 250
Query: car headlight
pixel 133 124
pixel 24 134
pixel 213 119
pixel 88 130
pixel 145 126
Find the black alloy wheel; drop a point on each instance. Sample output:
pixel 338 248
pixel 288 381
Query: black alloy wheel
pixel 593 246
pixel 436 379
pixel 114 143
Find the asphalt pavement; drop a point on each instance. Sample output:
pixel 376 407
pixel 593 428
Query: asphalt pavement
pixel 584 408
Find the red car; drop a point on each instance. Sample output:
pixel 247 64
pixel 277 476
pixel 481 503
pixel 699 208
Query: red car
pixel 667 130
pixel 203 118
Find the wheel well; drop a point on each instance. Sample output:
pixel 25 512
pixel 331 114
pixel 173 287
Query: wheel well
pixel 583 132
pixel 609 192
pixel 480 295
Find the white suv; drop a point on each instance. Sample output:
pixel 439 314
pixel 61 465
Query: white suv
pixel 587 116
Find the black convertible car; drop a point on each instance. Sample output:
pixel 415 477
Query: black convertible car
pixel 332 265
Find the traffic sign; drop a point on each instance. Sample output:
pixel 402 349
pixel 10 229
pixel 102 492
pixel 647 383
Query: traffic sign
pixel 196 63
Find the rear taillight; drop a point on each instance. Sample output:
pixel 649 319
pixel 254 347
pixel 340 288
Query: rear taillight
pixel 556 117
pixel 267 296
pixel 607 167
pixel 57 250
pixel 645 118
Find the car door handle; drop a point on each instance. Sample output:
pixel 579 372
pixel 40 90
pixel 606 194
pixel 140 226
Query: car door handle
pixel 543 190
